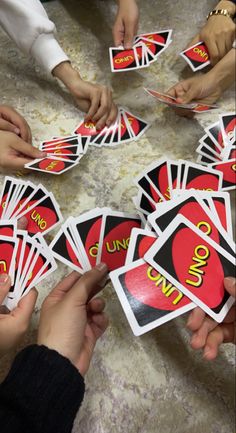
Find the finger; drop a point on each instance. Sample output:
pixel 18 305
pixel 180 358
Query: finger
pixel 95 102
pixel 118 34
pixel 99 324
pixel 230 286
pixel 112 115
pixel 22 223
pixel 8 126
pixel 96 305
pixel 129 35
pixel 5 285
pixel 65 285
pixel 105 105
pixel 224 333
pixel 25 308
pixel 88 285
pixel 28 150
pixel 213 50
pixel 196 319
pixel 199 338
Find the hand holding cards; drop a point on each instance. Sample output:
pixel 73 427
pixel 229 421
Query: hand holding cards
pixel 147 48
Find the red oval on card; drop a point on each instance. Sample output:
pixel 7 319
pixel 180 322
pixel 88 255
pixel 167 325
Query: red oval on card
pixel 188 250
pixel 52 165
pixel 149 287
pixel 124 59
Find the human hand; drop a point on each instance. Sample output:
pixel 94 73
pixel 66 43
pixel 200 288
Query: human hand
pixel 12 121
pixel 218 33
pixel 15 152
pixel 93 99
pixel 208 334
pixel 201 88
pixel 126 23
pixel 71 321
pixel 14 325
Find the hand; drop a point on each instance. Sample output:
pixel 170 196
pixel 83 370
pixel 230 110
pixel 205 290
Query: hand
pixel 218 33
pixel 208 334
pixel 12 121
pixel 126 23
pixel 93 99
pixel 71 321
pixel 15 152
pixel 14 325
pixel 201 89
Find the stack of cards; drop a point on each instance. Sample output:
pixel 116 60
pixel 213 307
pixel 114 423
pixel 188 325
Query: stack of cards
pixel 217 148
pixel 161 178
pixel 196 56
pixel 26 260
pixel 178 261
pixel 146 49
pixel 24 199
pixel 100 235
pixel 63 154
pixel 195 107
pixel 126 128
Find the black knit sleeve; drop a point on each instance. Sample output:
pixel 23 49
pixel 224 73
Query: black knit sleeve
pixel 41 394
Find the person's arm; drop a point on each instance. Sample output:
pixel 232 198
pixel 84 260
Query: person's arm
pixel 27 23
pixel 207 88
pixel 218 33
pixel 126 23
pixel 42 393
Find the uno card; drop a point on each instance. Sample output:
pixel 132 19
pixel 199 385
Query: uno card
pixel 124 133
pixel 72 140
pixel 158 175
pixel 51 165
pixel 114 238
pixel 7 228
pixel 196 56
pixel 123 60
pixel 215 133
pixel 211 145
pixel 194 264
pixel 203 178
pixel 143 203
pixel 228 127
pixel 136 125
pixel 140 242
pixel 43 216
pixel 228 168
pixel 162 37
pixel 148 189
pixel 229 153
pixel 64 250
pixel 205 160
pixel 8 249
pixel 147 298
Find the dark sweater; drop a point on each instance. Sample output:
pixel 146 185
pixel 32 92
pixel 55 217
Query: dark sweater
pixel 41 394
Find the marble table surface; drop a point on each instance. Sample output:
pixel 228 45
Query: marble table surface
pixel 154 383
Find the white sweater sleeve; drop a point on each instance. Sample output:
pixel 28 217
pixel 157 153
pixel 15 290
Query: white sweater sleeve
pixel 27 23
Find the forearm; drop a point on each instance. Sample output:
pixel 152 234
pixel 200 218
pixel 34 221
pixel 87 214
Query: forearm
pixel 223 74
pixel 27 23
pixel 66 73
pixel 42 393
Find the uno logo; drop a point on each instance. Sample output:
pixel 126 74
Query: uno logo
pixel 203 224
pixel 233 167
pixel 41 223
pixel 93 251
pixel 55 166
pixel 117 246
pixel 166 287
pixel 124 59
pixel 201 53
pixel 89 125
pixel 201 254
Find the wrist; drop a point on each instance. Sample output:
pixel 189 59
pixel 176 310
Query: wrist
pixel 66 73
pixel 228 5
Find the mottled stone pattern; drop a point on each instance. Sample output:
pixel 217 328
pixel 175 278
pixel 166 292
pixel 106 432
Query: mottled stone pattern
pixel 155 383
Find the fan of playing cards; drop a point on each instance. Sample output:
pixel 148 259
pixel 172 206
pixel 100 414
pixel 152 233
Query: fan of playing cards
pixel 195 107
pixel 24 199
pixel 182 256
pixel 27 260
pixel 100 235
pixel 66 152
pixel 146 49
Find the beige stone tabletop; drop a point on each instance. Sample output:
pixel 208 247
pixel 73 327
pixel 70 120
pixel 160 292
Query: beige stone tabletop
pixel 154 383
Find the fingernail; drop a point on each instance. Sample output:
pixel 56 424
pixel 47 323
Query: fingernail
pixel 3 279
pixel 207 351
pixel 101 267
pixel 231 281
pixel 17 131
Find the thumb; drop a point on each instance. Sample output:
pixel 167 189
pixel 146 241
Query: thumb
pixel 5 285
pixel 22 223
pixel 25 307
pixel 230 286
pixel 88 285
pixel 188 96
pixel 28 150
